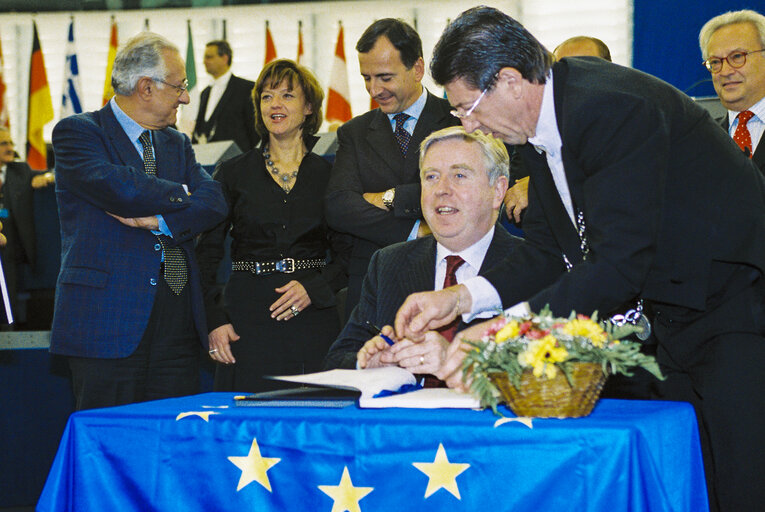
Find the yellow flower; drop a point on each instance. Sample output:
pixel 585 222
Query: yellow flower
pixel 509 331
pixel 541 355
pixel 587 328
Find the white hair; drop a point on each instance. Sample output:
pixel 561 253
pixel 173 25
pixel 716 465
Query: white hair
pixel 730 18
pixel 141 56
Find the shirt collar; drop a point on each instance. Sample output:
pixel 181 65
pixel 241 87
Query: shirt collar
pixel 473 255
pixel 223 79
pixel 758 109
pixel 415 109
pixel 547 137
pixel 132 129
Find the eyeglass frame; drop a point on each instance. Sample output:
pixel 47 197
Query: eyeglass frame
pixel 469 111
pixel 180 89
pixel 725 59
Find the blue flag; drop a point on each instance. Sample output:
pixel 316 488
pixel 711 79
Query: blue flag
pixel 70 102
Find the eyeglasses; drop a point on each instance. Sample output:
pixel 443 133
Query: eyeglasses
pixel 469 111
pixel 180 89
pixel 7 143
pixel 734 59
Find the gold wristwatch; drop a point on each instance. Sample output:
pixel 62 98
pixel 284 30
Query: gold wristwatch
pixel 388 197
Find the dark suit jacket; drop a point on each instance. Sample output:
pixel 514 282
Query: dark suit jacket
pixel 395 272
pixel 106 286
pixel 17 197
pixel 369 160
pixel 663 191
pixel 233 117
pixel 759 154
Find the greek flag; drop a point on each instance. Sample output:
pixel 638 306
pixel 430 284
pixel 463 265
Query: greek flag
pixel 70 102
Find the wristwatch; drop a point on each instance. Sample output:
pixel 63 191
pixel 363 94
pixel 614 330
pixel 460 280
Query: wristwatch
pixel 388 197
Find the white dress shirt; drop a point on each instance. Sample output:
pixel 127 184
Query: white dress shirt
pixel 216 92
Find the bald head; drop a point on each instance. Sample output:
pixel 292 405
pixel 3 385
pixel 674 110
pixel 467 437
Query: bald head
pixel 582 46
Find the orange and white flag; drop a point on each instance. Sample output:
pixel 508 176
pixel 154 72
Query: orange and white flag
pixel 339 96
pixel 4 120
pixel 108 90
pixel 270 46
pixel 300 50
pixel 40 109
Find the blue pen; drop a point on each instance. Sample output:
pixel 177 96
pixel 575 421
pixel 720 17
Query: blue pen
pixel 376 330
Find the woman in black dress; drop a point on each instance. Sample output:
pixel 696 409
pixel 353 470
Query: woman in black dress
pixel 277 314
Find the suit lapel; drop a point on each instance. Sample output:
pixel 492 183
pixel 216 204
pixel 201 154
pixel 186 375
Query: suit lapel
pixel 120 141
pixel 420 273
pixel 223 99
pixel 381 139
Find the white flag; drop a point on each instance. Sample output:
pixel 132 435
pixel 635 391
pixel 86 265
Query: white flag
pixel 71 96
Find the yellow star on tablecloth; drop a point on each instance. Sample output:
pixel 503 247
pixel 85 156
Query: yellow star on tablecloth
pixel 345 495
pixel 205 415
pixel 254 467
pixel 441 473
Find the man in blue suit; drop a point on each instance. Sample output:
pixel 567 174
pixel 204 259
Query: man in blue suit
pixel 131 198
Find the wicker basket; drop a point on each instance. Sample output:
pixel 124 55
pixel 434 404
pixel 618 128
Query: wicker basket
pixel 554 398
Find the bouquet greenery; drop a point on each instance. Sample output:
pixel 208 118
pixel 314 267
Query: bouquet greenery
pixel 545 345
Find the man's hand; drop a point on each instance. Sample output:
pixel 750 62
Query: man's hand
pixel 424 357
pixel 220 340
pixel 43 180
pixel 451 370
pixel 427 311
pixel 375 199
pixel 3 240
pixel 517 199
pixel 149 223
pixel 373 350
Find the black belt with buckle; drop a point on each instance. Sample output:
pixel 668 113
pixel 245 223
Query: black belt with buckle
pixel 286 266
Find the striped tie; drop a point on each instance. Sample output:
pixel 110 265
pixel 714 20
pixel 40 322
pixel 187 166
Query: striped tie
pixel 176 273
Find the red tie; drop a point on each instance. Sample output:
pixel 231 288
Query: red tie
pixel 742 136
pixel 452 264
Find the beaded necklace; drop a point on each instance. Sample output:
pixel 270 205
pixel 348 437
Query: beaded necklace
pixel 284 178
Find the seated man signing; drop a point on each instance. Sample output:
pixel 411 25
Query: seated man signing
pixel 464 177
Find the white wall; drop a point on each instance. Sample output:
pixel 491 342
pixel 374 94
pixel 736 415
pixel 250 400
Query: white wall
pixel 551 21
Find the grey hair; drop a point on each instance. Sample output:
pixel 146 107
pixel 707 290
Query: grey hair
pixel 729 18
pixel 141 56
pixel 495 157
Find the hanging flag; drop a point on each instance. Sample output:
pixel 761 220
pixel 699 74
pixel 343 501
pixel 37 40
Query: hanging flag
pixel 339 97
pixel 191 67
pixel 70 101
pixel 108 90
pixel 270 47
pixel 4 120
pixel 300 43
pixel 40 110
pixel 372 103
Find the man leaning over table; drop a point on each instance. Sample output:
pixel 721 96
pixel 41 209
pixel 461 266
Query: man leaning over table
pixel 131 198
pixel 733 47
pixel 636 194
pixel 464 177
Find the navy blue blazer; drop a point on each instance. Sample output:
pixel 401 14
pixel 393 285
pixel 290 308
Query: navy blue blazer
pixel 109 271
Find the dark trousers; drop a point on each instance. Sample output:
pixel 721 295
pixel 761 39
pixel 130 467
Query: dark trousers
pixel 165 364
pixel 716 361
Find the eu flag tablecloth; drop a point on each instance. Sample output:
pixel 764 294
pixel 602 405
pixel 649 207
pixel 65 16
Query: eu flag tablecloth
pixel 203 453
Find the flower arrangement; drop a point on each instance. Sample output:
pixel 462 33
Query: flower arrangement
pixel 537 349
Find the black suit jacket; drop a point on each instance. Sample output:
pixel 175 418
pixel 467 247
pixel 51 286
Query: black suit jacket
pixel 394 273
pixel 759 154
pixel 233 117
pixel 663 191
pixel 19 227
pixel 369 160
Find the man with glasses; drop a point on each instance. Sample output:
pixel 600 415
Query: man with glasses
pixel 131 198
pixel 226 111
pixel 374 189
pixel 636 196
pixel 733 47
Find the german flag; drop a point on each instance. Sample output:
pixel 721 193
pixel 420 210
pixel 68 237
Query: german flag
pixel 40 111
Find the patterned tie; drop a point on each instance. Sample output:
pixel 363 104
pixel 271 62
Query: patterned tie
pixel 402 136
pixel 450 279
pixel 175 262
pixel 742 136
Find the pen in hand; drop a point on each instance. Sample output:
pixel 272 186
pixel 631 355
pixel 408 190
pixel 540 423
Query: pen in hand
pixel 378 332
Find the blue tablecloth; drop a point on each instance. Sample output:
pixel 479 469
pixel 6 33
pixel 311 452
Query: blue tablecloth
pixel 203 453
